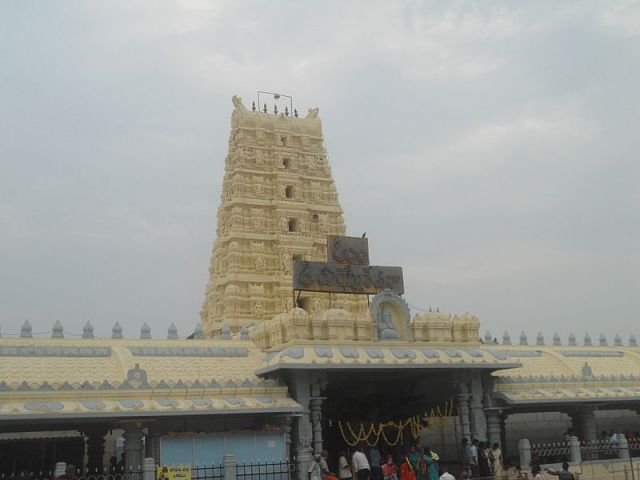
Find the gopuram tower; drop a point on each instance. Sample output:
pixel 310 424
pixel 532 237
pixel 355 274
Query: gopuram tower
pixel 279 202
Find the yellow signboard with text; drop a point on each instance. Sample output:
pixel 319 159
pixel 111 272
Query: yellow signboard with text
pixel 174 472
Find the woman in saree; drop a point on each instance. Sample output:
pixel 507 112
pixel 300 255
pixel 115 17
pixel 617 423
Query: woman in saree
pixel 417 463
pixel 406 469
pixel 498 465
pixel 432 469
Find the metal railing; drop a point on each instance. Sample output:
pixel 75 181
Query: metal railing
pixel 598 450
pixel 207 472
pixel 550 452
pixel 276 470
pixel 109 473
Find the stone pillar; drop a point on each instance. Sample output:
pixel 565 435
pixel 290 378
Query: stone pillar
pixel 575 455
pixel 315 407
pixel 230 463
pixel 503 435
pixel 493 425
pixel 287 437
pixel 586 423
pixel 524 451
pixel 95 449
pixel 148 469
pixel 463 414
pixel 133 445
pixel 478 419
pixel 303 430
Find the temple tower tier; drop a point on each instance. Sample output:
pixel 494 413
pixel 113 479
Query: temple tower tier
pixel 279 202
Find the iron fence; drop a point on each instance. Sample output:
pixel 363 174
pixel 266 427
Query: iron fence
pixel 598 450
pixel 634 446
pixel 551 452
pixel 113 473
pixel 212 472
pixel 277 470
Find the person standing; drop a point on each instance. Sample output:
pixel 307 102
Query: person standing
pixel 473 458
pixel 361 465
pixel 445 474
pixel 389 469
pixel 375 460
pixel 406 469
pixel 315 472
pixel 432 471
pixel 498 465
pixel 484 463
pixel 417 463
pixel 565 474
pixel 344 468
pixel 536 471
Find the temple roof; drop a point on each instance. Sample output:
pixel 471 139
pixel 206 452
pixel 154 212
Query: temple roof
pixel 66 378
pixel 51 378
pixel 561 373
pixel 384 355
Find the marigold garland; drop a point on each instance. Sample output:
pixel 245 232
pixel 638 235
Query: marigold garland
pixel 371 436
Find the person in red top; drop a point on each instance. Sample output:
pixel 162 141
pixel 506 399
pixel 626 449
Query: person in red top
pixel 389 469
pixel 406 469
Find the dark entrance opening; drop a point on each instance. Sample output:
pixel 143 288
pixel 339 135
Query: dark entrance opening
pixel 378 396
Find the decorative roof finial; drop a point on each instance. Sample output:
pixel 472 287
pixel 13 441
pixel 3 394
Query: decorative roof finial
pixel 556 339
pixel 586 371
pixel 198 333
pixel 286 111
pixel 523 339
pixel 26 331
pixel 87 330
pixel 172 333
pixel 632 341
pixel 116 331
pixel 572 340
pixel 488 337
pixel 225 332
pixel 265 108
pixel 253 106
pixel 603 340
pixel 587 340
pixel 57 331
pixel 539 339
pixel 145 332
pixel 506 338
pixel 617 341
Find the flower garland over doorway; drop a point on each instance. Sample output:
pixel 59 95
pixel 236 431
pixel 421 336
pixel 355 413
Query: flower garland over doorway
pixel 371 435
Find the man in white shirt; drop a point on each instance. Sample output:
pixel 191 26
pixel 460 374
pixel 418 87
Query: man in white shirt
pixel 315 472
pixel 361 465
pixel 344 469
pixel 445 474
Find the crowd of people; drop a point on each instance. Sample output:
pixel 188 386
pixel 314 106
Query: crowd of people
pixel 419 463
pixel 480 460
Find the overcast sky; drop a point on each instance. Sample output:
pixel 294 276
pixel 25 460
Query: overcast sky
pixel 491 149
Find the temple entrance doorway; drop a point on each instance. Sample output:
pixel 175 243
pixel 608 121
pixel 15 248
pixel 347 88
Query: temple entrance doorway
pixel 358 404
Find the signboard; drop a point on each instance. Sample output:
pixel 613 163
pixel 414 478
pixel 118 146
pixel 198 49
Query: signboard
pixel 347 250
pixel 349 278
pixel 174 472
